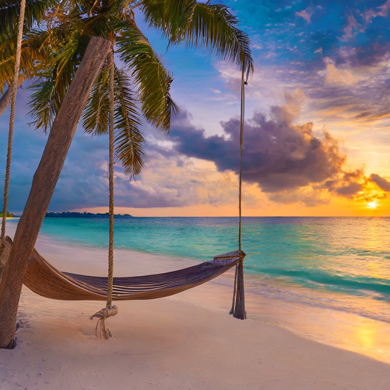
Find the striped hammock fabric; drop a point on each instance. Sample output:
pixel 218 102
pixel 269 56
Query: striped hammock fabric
pixel 45 280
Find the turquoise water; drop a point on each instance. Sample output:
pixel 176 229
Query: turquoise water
pixel 340 263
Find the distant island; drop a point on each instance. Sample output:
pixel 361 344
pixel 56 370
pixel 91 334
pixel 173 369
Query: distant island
pixel 69 214
pixel 8 215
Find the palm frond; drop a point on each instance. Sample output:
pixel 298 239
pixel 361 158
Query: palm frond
pixel 9 15
pixel 128 138
pixel 207 25
pixel 33 60
pixel 96 112
pixel 151 78
pixel 44 105
pixel 56 80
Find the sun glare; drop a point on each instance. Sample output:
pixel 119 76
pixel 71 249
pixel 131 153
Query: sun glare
pixel 372 205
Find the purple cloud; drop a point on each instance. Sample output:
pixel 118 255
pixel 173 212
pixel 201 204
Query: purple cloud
pixel 305 14
pixel 287 161
pixel 380 182
pixel 278 155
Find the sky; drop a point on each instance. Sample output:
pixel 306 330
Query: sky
pixel 317 126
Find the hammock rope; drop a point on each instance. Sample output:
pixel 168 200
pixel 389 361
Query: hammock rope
pixel 238 304
pixel 109 311
pixel 111 184
pixel 241 149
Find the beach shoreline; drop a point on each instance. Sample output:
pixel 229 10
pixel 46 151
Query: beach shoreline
pixel 269 301
pixel 184 341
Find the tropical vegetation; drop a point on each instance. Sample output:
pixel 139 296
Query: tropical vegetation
pixel 57 34
pixel 8 215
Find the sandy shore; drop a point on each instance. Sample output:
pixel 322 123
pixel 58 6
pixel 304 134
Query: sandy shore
pixel 182 342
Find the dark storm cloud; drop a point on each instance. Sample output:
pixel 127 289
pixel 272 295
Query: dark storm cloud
pixel 346 183
pixel 380 182
pixel 278 155
pixel 287 161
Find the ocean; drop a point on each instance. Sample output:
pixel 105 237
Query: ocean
pixel 335 272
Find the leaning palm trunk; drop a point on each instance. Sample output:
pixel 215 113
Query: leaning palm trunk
pixel 44 182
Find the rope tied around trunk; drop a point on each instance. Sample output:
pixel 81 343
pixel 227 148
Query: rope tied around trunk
pixel 101 331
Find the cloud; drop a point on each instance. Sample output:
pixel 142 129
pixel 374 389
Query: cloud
pixel 352 28
pixel 305 14
pixel 380 182
pixel 287 161
pixel 278 155
pixel 308 196
pixel 383 11
pixel 346 183
pixel 337 76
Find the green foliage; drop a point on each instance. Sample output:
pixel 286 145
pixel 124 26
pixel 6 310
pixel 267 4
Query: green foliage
pixel 10 215
pixel 211 26
pixel 9 16
pixel 56 37
pixel 128 138
pixel 10 10
pixel 151 78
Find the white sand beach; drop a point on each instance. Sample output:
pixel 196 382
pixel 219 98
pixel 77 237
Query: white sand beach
pixel 183 342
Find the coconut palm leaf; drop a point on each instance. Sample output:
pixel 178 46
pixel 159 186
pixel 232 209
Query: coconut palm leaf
pixel 150 76
pixel 50 88
pixel 9 15
pixel 96 112
pixel 32 54
pixel 67 42
pixel 207 25
pixel 129 140
pixel 44 104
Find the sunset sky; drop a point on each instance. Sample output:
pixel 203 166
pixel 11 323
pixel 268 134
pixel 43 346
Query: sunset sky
pixel 317 135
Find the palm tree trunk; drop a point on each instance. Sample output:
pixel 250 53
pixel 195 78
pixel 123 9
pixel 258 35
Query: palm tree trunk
pixel 14 88
pixel 44 182
pixel 6 98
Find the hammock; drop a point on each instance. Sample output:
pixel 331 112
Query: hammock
pixel 45 280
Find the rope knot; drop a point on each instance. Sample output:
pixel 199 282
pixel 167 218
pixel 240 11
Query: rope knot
pixel 101 331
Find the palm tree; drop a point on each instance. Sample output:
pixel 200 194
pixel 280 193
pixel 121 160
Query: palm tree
pixel 144 76
pixel 66 35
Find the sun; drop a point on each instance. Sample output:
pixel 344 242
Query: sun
pixel 372 205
